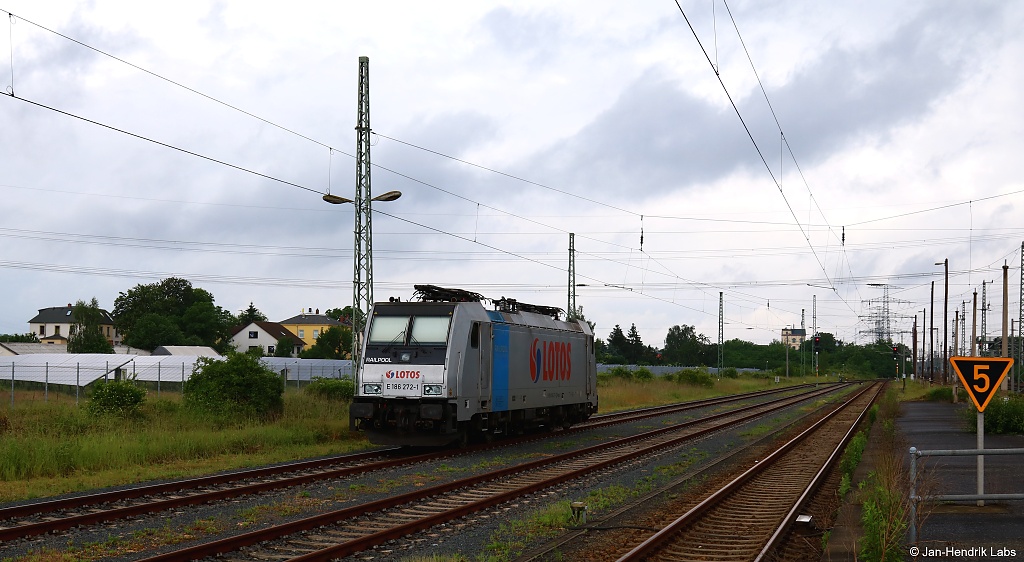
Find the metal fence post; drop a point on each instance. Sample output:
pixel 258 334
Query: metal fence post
pixel 46 383
pixel 78 380
pixel 913 496
pixel 158 380
pixel 12 384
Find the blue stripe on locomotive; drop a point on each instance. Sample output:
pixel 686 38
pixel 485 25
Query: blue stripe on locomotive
pixel 499 367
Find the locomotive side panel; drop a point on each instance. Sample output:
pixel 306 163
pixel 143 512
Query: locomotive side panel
pixel 548 367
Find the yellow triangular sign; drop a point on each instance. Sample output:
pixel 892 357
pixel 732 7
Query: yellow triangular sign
pixel 981 376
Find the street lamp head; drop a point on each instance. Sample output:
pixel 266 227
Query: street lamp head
pixel 388 196
pixel 335 199
pixel 939 263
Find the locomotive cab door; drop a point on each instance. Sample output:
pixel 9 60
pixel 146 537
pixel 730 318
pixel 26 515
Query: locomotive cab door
pixel 481 337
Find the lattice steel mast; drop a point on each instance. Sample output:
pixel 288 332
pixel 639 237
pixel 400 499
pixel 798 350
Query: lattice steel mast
pixel 362 268
pixel 571 311
pixel 721 332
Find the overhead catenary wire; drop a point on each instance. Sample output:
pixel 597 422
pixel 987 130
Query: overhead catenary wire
pixel 163 144
pixel 757 147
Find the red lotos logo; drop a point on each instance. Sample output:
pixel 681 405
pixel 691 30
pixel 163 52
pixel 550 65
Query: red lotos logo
pixel 550 360
pixel 402 374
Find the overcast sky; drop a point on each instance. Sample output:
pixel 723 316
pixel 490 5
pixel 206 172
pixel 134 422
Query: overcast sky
pixel 903 125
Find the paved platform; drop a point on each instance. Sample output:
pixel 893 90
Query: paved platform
pixel 951 531
pixel 962 530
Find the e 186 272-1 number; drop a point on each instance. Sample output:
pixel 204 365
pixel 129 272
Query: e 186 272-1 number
pixel 401 386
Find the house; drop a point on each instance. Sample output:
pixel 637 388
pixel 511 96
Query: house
pixel 309 325
pixel 53 325
pixel 265 334
pixel 794 337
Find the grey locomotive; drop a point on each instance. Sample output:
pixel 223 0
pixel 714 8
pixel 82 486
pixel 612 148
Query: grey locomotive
pixel 446 369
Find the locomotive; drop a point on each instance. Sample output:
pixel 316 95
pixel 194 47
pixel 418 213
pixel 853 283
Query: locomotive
pixel 446 369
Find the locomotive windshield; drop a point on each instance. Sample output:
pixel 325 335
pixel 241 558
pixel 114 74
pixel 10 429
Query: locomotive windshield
pixel 426 330
pixel 430 330
pixel 388 329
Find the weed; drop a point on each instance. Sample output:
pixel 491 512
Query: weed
pixel 854 450
pixel 512 537
pixel 844 485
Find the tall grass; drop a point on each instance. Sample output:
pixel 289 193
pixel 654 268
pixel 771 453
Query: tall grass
pixel 53 448
pixel 617 394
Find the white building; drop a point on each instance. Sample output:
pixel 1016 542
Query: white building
pixel 265 334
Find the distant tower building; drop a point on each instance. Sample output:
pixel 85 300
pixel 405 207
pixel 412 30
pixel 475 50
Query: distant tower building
pixel 794 337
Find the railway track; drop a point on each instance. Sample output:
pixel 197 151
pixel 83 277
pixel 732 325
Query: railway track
pixel 26 520
pixel 747 518
pixel 354 529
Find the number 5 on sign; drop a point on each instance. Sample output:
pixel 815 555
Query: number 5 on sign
pixel 980 374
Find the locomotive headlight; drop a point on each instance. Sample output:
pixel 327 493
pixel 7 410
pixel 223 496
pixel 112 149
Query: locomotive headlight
pixel 405 357
pixel 432 390
pixel 371 388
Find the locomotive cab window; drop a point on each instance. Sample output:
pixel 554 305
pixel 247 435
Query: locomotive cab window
pixel 430 330
pixel 474 336
pixel 388 329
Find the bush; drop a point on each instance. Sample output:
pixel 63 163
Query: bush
pixel 1004 415
pixel 240 387
pixel 939 394
pixel 643 374
pixel 621 372
pixel 332 389
pixel 729 373
pixel 695 377
pixel 116 398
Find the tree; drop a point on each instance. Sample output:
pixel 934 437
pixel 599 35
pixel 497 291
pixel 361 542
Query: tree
pixel 634 346
pixel 86 334
pixel 171 312
pixel 153 330
pixel 618 345
pixel 284 347
pixel 344 315
pixel 334 343
pixel 19 338
pixel 250 315
pixel 684 346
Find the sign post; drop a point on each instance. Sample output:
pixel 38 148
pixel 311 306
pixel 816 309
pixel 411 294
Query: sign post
pixel 981 377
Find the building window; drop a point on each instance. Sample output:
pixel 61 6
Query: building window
pixel 71 329
pixel 254 334
pixel 271 349
pixel 316 334
pixel 42 329
pixel 56 330
pixel 302 334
